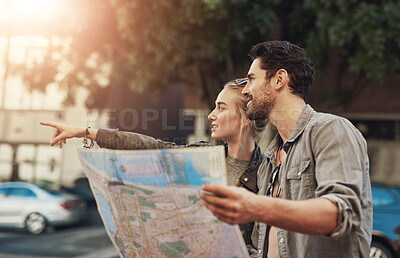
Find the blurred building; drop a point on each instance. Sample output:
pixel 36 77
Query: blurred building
pixel 376 113
pixel 25 149
pixel 25 153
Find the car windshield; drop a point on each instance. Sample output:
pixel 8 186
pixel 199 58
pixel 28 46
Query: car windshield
pixel 20 192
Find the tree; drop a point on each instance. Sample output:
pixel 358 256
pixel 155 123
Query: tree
pixel 148 45
pixel 200 43
pixel 357 40
pixel 145 44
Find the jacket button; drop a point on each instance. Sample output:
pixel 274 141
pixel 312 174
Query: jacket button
pixel 246 179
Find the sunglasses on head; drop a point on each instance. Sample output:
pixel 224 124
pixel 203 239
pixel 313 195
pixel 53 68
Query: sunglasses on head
pixel 242 82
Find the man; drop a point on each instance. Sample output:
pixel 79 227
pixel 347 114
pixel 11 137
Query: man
pixel 315 194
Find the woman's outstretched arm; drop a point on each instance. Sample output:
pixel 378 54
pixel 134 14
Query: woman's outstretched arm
pixel 106 138
pixel 64 132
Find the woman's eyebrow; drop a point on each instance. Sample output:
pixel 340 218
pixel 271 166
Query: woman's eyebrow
pixel 221 103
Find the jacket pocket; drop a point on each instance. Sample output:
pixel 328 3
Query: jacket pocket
pixel 297 170
pixel 298 181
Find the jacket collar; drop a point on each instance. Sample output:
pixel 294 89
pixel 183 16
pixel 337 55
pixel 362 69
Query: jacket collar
pixel 255 158
pixel 301 124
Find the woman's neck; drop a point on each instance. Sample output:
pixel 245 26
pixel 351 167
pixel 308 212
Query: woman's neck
pixel 241 149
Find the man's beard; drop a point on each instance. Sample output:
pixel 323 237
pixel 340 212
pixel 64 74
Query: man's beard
pixel 260 110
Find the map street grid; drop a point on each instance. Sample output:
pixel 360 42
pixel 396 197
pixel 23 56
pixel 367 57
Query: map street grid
pixel 149 201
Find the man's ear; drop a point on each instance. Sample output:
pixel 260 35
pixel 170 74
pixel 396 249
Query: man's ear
pixel 281 79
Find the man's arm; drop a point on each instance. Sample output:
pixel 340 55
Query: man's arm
pixel 236 205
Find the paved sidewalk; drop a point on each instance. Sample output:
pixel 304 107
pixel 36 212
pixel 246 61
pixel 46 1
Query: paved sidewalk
pixel 109 252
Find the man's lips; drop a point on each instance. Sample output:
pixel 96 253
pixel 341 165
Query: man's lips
pixel 214 127
pixel 248 102
pixel 249 98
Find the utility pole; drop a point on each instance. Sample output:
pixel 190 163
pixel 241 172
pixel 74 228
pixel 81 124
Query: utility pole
pixel 15 165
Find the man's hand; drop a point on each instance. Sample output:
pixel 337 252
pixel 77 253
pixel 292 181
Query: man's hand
pixel 230 204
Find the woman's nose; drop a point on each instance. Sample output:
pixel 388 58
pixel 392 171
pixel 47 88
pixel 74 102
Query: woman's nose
pixel 211 116
pixel 245 90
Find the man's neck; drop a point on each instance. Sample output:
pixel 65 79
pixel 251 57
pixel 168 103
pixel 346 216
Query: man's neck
pixel 285 115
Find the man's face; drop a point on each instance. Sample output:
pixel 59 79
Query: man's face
pixel 260 96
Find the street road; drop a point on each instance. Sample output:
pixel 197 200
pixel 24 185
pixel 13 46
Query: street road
pixel 83 241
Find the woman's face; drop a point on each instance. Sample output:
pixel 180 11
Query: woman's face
pixel 225 119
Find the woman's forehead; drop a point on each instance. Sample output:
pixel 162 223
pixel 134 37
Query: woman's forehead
pixel 227 97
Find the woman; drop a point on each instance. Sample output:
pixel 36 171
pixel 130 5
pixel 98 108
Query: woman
pixel 228 123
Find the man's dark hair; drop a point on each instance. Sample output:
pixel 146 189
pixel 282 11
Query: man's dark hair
pixel 275 55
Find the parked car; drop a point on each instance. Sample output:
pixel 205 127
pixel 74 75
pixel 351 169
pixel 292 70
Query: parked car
pixel 386 222
pixel 82 189
pixel 25 205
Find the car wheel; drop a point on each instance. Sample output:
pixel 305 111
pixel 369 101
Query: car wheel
pixel 35 223
pixel 379 250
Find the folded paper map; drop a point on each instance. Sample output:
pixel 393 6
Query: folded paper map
pixel 150 205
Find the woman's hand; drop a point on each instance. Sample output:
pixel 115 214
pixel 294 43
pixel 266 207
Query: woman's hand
pixel 64 132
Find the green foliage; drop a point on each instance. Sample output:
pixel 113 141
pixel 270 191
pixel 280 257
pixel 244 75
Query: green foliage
pixel 365 33
pixel 191 41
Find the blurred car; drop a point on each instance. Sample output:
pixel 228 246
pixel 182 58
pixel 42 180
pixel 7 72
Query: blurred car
pixel 82 189
pixel 386 222
pixel 25 205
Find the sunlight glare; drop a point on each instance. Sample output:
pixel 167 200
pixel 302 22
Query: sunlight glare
pixel 30 10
